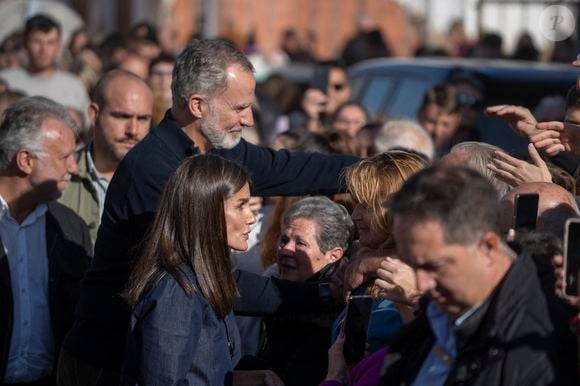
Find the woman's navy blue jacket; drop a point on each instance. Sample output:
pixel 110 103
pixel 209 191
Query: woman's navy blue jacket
pixel 176 339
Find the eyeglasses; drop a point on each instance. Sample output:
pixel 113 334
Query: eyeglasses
pixel 338 86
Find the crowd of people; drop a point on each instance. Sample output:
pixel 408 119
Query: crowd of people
pixel 164 220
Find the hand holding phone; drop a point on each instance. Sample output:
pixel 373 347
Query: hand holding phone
pixel 320 78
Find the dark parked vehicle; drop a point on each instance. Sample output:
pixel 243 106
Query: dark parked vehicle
pixel 394 88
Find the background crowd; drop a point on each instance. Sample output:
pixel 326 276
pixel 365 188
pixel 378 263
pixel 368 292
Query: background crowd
pixel 118 265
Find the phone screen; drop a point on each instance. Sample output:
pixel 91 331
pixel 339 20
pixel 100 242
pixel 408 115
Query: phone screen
pixel 526 211
pixel 356 323
pixel 572 256
pixel 320 78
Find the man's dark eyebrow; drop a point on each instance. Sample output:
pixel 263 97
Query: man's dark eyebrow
pixel 123 114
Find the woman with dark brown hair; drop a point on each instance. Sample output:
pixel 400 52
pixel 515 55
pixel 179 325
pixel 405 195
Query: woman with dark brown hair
pixel 182 288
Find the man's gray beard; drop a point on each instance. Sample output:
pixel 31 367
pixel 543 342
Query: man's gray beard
pixel 219 139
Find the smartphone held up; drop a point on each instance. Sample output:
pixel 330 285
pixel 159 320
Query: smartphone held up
pixel 572 257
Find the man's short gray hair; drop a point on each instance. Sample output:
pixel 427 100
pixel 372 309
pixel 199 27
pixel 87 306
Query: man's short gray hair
pixel 405 134
pixel 201 69
pixel 334 226
pixel 21 127
pixel 478 156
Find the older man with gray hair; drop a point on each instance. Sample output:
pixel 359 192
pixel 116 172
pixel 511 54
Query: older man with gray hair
pixel 44 247
pixel 405 134
pixel 477 156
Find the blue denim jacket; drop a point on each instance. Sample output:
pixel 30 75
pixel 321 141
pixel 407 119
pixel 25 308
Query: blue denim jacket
pixel 176 339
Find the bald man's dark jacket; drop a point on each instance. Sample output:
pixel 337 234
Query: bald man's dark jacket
pixel 69 249
pixel 100 330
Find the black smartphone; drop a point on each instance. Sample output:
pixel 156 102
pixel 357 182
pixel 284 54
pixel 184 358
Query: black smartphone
pixel 356 324
pixel 320 78
pixel 572 256
pixel 526 211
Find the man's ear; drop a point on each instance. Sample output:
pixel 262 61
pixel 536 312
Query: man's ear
pixel 490 245
pixel 93 111
pixel 24 161
pixel 335 254
pixel 198 106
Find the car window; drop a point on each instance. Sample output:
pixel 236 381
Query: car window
pixel 407 98
pixel 356 87
pixel 374 95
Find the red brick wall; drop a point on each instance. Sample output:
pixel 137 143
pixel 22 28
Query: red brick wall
pixel 333 21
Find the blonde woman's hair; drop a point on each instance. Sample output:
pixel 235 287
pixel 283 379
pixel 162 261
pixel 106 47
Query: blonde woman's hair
pixel 372 181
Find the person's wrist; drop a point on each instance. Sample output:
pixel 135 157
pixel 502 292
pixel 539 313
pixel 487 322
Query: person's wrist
pixel 339 379
pixel 416 300
pixel 413 301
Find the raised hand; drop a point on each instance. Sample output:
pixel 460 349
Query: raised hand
pixel 555 137
pixel 361 269
pixel 515 171
pixel 519 118
pixel 397 282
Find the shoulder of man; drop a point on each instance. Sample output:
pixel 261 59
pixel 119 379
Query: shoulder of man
pixel 67 76
pixel 81 158
pixel 71 225
pixel 12 74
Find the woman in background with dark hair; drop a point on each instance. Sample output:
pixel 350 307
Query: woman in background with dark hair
pixel 182 288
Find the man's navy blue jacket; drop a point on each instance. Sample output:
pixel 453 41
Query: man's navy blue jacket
pixel 100 330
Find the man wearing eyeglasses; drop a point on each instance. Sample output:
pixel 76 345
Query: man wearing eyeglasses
pixel 556 137
pixel 45 248
pixel 558 140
